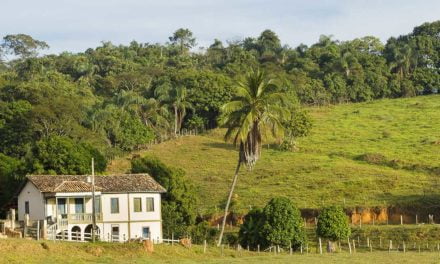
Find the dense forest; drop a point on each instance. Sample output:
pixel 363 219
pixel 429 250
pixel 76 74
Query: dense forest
pixel 58 111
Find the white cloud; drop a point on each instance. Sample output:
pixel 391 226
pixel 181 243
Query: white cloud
pixel 77 25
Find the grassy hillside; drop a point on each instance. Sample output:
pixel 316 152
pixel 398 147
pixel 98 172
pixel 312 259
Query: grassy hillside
pixel 368 154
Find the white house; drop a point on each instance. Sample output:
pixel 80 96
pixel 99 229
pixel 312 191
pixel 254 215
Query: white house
pixel 127 206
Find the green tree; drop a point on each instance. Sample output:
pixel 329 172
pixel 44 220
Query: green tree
pixel 177 99
pixel 283 224
pixel 183 37
pixel 256 109
pixel 11 173
pixel 62 155
pixel 333 224
pixel 22 45
pixel 250 231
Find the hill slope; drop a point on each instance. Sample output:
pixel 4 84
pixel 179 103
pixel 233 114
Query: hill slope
pixel 369 154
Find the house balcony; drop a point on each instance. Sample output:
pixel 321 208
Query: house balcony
pixel 81 218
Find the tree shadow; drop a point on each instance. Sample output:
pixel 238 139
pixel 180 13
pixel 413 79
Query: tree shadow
pixel 218 145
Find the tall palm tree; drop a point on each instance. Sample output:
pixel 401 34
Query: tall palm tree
pixel 257 109
pixel 404 59
pixel 152 113
pixel 177 99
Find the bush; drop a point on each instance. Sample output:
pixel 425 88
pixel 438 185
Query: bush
pixel 202 231
pixel 250 230
pixel 288 144
pixel 333 224
pixel 282 224
pixel 231 239
pixel 373 158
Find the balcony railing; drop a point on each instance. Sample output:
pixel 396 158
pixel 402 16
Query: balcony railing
pixel 63 220
pixel 83 218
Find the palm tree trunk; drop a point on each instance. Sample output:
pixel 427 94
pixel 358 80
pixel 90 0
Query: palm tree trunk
pixel 234 181
pixel 175 121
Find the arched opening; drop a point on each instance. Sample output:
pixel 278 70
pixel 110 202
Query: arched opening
pixel 88 233
pixel 76 233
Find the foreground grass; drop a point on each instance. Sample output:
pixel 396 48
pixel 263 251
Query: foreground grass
pixel 402 137
pixel 23 251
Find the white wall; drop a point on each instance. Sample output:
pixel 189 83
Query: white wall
pixel 144 215
pixel 106 207
pixel 155 229
pixel 36 202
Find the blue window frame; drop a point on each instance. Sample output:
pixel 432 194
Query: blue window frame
pixel 146 232
pixel 79 205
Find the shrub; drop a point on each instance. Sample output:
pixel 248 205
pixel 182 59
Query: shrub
pixel 288 144
pixel 250 230
pixel 282 224
pixel 333 224
pixel 231 239
pixel 373 158
pixel 202 231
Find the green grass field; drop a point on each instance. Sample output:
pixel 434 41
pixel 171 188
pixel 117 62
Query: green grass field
pixel 378 153
pixel 25 251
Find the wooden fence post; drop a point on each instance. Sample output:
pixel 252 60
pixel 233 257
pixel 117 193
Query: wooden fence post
pixel 401 220
pixel 290 247
pixel 204 246
pixel 301 248
pixel 354 247
pixel 368 242
pixel 38 230
pixel 349 245
pixel 223 247
pixel 320 246
pixel 258 249
pixel 404 248
pixel 417 220
pixel 380 242
pixel 390 246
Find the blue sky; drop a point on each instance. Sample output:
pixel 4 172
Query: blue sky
pixel 75 25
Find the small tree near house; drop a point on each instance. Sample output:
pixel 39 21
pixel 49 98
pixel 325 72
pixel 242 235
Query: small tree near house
pixel 333 225
pixel 282 225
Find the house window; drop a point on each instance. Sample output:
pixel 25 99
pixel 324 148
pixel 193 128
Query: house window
pixel 62 208
pixel 98 204
pixel 137 205
pixel 114 205
pixel 79 205
pixel 115 232
pixel 150 204
pixel 146 232
pixel 26 207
